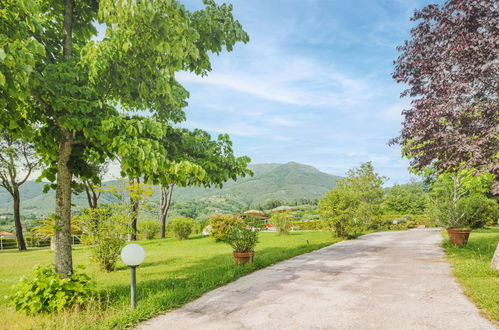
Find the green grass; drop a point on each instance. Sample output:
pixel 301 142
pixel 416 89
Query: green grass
pixel 174 273
pixel 471 265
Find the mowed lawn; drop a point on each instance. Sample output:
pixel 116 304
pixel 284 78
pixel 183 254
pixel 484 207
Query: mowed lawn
pixel 173 273
pixel 471 265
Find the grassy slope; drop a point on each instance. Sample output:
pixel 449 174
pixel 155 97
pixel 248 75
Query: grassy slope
pixel 471 266
pixel 173 273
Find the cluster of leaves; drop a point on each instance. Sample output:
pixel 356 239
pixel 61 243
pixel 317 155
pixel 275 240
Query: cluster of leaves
pixel 242 239
pixel 355 204
pixel 44 291
pixel 221 224
pixel 282 222
pixel 45 228
pixel 181 228
pixel 450 67
pixel 105 229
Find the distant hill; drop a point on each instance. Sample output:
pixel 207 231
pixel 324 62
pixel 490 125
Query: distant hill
pixel 285 182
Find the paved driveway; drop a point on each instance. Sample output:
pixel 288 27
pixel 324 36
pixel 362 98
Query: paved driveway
pixel 386 280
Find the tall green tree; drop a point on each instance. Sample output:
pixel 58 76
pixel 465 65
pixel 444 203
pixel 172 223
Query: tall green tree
pixel 82 90
pixel 355 203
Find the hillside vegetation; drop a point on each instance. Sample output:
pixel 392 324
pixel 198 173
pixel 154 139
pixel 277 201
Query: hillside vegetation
pixel 288 182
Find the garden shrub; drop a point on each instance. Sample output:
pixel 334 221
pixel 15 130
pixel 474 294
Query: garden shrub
pixel 180 227
pixel 478 210
pixel 220 224
pixel 148 229
pixel 338 212
pixel 44 291
pixel 282 222
pixel 105 230
pixel 307 225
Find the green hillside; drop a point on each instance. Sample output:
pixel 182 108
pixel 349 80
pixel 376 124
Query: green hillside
pixel 284 182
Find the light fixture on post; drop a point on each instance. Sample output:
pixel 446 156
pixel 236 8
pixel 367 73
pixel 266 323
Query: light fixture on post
pixel 132 255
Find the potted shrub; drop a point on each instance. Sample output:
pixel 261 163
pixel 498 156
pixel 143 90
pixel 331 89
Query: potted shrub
pixel 460 206
pixel 243 241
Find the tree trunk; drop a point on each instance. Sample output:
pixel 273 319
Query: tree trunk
pixel 166 197
pixel 63 256
pixel 134 212
pixel 92 196
pixel 21 244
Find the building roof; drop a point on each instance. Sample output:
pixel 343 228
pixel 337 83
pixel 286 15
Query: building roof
pixel 254 213
pixel 283 209
pixel 6 233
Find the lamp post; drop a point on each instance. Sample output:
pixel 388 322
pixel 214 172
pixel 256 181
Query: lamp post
pixel 132 255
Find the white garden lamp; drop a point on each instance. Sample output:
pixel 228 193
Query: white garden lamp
pixel 132 255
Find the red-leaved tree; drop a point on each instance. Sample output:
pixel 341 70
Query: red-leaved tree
pixel 451 68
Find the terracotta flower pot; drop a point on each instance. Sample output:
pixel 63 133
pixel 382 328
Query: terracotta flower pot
pixel 459 236
pixel 243 257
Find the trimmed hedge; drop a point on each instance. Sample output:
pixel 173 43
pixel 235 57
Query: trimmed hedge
pixel 307 225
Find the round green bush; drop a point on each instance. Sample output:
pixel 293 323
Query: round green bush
pixel 478 210
pixel 180 227
pixel 148 229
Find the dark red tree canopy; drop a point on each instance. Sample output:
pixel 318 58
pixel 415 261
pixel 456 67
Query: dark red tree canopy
pixel 451 68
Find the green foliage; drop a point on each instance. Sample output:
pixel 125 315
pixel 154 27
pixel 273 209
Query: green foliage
pixel 407 220
pixel 308 225
pixel 242 239
pixel 44 291
pixel 181 228
pixel 149 229
pixel 457 199
pixel 355 204
pixel 254 222
pixel 105 229
pixel 221 224
pixel 282 222
pixel 410 198
pixel 479 210
pixel 45 228
pixel 338 211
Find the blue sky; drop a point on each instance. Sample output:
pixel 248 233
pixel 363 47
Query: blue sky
pixel 313 85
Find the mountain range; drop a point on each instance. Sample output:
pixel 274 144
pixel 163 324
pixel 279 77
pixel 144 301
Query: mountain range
pixel 287 183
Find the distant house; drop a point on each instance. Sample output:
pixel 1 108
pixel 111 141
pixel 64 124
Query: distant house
pixel 284 209
pixel 6 234
pixel 255 213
